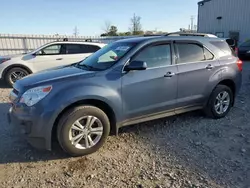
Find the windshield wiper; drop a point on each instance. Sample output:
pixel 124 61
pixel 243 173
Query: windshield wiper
pixel 88 67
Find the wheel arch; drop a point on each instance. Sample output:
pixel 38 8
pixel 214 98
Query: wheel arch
pixel 95 102
pixel 16 66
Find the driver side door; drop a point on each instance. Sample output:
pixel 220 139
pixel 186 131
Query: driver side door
pixel 150 93
pixel 49 57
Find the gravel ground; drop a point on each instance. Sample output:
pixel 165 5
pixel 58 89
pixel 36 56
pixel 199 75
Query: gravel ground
pixel 188 150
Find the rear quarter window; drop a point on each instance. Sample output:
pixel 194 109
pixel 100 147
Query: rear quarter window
pixel 223 46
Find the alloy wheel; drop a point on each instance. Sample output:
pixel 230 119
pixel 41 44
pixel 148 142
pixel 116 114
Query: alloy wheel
pixel 86 132
pixel 222 102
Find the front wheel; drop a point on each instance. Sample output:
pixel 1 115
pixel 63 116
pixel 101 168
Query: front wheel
pixel 15 74
pixel 220 102
pixel 83 130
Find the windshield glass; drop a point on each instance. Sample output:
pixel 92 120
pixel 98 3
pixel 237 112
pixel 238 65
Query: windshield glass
pixel 107 56
pixel 245 44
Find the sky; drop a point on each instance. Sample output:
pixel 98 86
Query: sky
pixel 61 16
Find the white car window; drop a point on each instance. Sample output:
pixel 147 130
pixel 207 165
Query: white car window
pixel 51 50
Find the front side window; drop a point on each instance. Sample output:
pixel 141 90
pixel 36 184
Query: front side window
pixel 189 53
pixel 50 50
pixel 155 56
pixel 107 56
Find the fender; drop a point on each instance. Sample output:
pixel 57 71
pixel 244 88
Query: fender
pixel 72 94
pixel 16 65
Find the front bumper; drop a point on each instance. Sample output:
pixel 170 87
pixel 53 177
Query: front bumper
pixel 32 125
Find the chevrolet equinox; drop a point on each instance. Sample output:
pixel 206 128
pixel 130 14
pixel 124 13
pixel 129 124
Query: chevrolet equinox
pixel 127 82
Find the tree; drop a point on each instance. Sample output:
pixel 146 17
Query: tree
pixel 107 26
pixel 112 31
pixel 136 28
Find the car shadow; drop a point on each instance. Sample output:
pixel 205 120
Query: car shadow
pixel 3 84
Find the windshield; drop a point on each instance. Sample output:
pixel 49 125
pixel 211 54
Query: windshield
pixel 246 44
pixel 107 56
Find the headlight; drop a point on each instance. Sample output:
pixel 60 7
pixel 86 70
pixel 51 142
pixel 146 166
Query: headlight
pixel 248 52
pixel 34 95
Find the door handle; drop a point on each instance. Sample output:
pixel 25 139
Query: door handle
pixel 209 67
pixel 169 74
pixel 59 58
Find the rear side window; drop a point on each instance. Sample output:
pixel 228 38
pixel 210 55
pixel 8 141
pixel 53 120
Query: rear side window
pixel 190 52
pixel 223 46
pixel 89 48
pixel 80 48
pixel 73 49
pixel 155 56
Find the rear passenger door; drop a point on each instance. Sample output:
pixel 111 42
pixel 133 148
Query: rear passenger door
pixel 196 64
pixel 78 52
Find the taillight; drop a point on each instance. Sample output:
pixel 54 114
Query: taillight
pixel 240 65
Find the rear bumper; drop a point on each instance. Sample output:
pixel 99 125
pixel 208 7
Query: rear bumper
pixel 33 126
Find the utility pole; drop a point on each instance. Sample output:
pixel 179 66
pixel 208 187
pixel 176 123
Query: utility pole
pixel 76 32
pixel 192 23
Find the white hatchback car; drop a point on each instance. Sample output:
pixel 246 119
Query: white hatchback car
pixel 15 67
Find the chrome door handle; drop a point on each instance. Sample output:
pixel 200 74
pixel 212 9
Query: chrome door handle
pixel 59 58
pixel 209 67
pixel 169 74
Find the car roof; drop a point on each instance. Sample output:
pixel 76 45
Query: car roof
pixel 164 38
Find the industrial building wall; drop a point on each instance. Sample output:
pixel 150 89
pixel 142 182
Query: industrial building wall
pixel 235 18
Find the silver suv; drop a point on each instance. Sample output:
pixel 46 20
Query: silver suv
pixel 127 82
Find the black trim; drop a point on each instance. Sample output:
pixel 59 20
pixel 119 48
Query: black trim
pixel 159 115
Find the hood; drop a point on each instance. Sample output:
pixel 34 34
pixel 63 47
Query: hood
pixel 11 56
pixel 53 75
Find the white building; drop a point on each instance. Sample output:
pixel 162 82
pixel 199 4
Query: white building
pixel 225 18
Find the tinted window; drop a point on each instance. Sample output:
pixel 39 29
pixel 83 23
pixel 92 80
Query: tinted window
pixel 208 55
pixel 73 49
pixel 81 48
pixel 155 56
pixel 89 48
pixel 50 50
pixel 223 46
pixel 190 53
pixel 245 44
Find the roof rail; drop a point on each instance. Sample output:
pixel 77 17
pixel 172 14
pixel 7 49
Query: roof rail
pixel 191 34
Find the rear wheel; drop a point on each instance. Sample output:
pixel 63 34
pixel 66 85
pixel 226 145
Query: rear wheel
pixel 83 130
pixel 15 74
pixel 220 102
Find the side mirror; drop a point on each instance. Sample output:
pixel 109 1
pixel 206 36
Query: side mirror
pixel 136 65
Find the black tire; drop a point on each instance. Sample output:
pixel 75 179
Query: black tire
pixel 68 119
pixel 210 110
pixel 8 74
